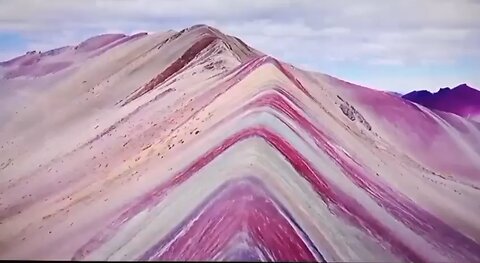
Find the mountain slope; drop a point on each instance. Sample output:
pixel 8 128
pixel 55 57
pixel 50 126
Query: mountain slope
pixel 192 145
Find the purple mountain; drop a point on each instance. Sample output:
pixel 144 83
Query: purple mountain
pixel 461 100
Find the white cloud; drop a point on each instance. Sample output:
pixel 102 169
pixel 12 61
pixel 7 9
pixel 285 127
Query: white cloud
pixel 375 32
pixel 408 30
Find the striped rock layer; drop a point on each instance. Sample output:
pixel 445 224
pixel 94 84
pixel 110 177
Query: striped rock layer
pixel 192 145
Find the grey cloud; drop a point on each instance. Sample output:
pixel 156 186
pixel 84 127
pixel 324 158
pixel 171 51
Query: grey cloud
pixel 341 43
pixel 377 31
pixel 327 13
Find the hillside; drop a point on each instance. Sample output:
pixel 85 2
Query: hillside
pixel 192 145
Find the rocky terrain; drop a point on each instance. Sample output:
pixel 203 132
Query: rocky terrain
pixel 192 145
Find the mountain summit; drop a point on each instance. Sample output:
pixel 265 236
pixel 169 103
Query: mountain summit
pixel 192 145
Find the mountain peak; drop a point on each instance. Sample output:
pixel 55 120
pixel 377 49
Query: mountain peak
pixel 465 87
pixel 201 26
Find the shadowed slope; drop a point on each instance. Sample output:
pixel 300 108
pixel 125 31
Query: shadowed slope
pixel 447 147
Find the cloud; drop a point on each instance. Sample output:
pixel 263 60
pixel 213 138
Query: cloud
pixel 307 32
pixel 410 31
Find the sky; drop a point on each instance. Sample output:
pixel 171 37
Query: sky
pixel 382 44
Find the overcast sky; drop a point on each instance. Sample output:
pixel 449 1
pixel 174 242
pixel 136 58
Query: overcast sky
pixel 397 45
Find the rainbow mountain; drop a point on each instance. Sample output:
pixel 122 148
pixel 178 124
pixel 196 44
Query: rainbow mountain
pixel 192 145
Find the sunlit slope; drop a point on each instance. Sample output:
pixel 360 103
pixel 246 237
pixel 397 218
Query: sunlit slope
pixel 192 145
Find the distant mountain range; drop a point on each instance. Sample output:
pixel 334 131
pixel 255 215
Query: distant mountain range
pixel 461 100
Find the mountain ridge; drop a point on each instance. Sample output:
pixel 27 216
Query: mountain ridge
pixel 461 100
